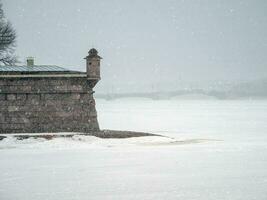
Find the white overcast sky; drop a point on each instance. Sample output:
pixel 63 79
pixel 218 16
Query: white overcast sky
pixel 146 42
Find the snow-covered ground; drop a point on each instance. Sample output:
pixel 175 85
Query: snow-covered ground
pixel 215 150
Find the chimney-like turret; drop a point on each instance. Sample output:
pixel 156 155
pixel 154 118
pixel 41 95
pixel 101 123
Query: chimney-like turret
pixel 30 61
pixel 93 64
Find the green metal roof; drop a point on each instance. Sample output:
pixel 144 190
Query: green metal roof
pixel 35 68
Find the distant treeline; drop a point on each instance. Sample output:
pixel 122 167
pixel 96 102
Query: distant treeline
pixel 257 89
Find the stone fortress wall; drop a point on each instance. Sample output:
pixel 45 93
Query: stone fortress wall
pixel 49 104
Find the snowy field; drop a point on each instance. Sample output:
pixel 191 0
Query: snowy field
pixel 215 150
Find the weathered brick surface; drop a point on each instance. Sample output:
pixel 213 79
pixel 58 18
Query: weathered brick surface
pixel 32 105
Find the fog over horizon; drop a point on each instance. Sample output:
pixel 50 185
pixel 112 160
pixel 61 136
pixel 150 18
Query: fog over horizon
pixel 148 43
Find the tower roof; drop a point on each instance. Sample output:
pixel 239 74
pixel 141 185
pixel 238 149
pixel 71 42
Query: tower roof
pixel 93 53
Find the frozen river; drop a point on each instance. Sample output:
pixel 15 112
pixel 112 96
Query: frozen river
pixel 223 156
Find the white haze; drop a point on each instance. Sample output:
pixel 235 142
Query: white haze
pixel 146 44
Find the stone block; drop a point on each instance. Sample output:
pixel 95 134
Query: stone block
pixel 17 120
pixel 75 96
pixel 61 88
pixel 11 97
pixel 33 97
pixel 63 114
pixel 13 108
pixel 12 126
pixel 2 117
pixel 75 88
pixel 2 97
pixel 21 97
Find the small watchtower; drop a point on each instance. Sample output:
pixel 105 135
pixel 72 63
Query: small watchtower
pixel 93 64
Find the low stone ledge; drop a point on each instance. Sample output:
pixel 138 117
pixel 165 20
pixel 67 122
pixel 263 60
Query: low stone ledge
pixel 101 134
pixel 120 134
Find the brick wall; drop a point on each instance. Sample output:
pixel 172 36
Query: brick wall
pixel 32 105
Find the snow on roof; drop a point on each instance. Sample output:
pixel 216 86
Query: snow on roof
pixel 35 68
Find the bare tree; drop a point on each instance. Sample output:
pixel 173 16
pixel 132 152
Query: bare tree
pixel 7 41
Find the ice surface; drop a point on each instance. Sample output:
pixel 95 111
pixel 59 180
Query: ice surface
pixel 223 155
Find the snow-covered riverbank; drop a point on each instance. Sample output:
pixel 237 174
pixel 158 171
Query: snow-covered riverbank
pixel 215 150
